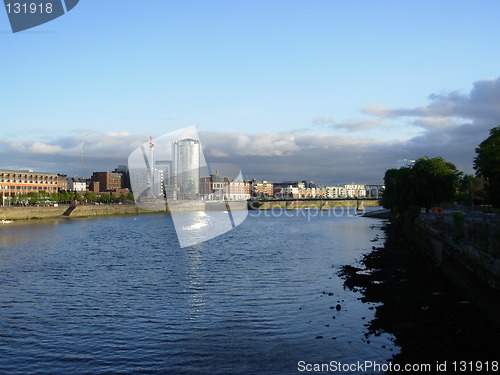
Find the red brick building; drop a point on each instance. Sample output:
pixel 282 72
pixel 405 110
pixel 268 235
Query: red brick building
pixel 106 181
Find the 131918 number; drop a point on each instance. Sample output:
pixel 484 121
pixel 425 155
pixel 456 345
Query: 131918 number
pixel 32 8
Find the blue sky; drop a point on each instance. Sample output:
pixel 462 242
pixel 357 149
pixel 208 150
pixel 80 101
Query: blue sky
pixel 326 90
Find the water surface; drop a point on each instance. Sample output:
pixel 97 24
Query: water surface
pixel 119 296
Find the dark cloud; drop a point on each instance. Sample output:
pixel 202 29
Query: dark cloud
pixel 350 126
pixel 323 158
pixel 453 123
pixel 481 104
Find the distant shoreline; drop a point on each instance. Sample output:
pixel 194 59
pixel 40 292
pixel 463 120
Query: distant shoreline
pixel 32 213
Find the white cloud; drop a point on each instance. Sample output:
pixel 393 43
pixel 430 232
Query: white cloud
pixel 117 134
pixel 43 148
pixel 218 153
pixel 261 144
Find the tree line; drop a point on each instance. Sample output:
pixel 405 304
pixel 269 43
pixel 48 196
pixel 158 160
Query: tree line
pixel 44 197
pixel 431 181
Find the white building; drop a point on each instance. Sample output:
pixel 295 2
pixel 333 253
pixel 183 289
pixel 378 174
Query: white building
pixel 336 192
pixel 355 191
pixel 76 184
pixel 290 191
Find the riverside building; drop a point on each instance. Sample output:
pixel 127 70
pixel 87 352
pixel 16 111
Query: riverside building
pixel 23 182
pixel 106 181
pixel 187 155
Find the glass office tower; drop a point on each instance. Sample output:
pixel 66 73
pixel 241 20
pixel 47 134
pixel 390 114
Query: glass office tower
pixel 186 155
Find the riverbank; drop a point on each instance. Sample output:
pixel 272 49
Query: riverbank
pixel 431 318
pixel 378 214
pixel 45 212
pixel 50 212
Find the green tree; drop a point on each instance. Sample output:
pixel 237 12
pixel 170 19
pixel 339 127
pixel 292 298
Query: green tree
pixel 71 196
pixel 399 191
pixel 427 183
pixel 436 181
pixel 106 198
pixel 43 196
pixel 64 197
pixel 79 197
pixel 130 197
pixel 33 198
pixel 487 164
pixel 54 197
pixel 90 196
pixel 15 199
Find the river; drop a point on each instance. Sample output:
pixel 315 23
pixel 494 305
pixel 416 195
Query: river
pixel 119 296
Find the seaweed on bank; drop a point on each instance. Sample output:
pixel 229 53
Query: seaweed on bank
pixel 429 317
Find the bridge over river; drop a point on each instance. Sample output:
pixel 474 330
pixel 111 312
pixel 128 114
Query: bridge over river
pixel 321 203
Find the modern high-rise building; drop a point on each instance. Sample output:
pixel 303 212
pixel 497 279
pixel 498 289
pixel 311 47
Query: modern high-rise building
pixel 164 170
pixel 186 155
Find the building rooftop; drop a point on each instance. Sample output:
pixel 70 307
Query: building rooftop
pixel 24 171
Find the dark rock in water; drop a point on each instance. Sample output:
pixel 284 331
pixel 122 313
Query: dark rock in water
pixel 338 307
pixel 319 337
pixel 330 294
